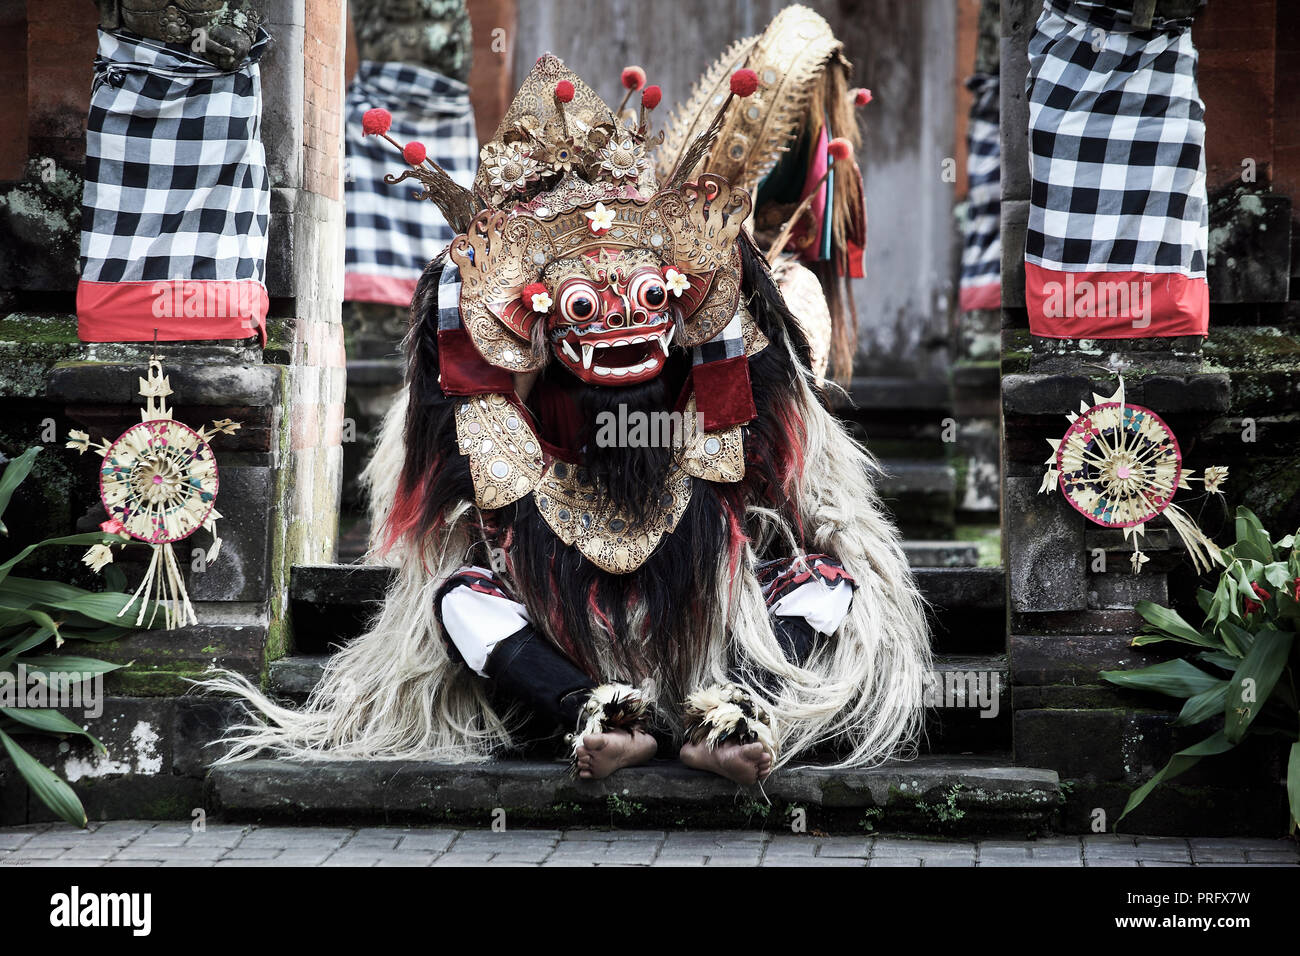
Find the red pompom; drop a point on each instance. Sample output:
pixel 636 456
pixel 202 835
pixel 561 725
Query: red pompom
pixel 564 91
pixel 744 82
pixel 414 153
pixel 633 77
pixel 651 96
pixel 839 149
pixel 862 97
pixel 376 121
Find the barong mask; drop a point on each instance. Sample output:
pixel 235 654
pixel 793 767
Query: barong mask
pixel 568 246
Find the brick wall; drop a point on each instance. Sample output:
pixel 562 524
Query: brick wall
pixel 491 81
pixel 61 43
pixel 323 47
pixel 13 91
pixel 1237 42
pixel 1286 141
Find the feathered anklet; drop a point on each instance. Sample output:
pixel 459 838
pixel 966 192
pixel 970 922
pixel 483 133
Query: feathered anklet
pixel 608 707
pixel 727 713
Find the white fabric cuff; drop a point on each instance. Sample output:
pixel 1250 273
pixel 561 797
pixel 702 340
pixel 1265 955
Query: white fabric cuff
pixel 477 622
pixel 822 606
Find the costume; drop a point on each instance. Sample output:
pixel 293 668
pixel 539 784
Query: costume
pixel 610 491
pixel 809 217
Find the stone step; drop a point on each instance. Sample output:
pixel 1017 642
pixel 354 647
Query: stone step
pixel 921 494
pixel 969 696
pixel 870 395
pixel 941 554
pixel 929 794
pixel 332 602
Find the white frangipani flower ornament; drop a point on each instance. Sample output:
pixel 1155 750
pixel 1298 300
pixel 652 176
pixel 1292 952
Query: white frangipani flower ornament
pixel 676 282
pixel 601 218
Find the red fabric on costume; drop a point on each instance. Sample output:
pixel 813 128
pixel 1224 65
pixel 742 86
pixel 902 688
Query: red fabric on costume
pixel 463 371
pixel 723 394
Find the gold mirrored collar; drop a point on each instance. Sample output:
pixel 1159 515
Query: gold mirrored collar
pixel 506 462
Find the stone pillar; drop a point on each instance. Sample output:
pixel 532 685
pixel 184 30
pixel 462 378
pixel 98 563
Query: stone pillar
pixel 303 131
pixel 1071 592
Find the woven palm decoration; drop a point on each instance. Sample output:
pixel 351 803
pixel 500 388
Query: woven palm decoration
pixel 1119 465
pixel 159 485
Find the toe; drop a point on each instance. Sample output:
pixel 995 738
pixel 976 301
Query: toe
pixel 594 742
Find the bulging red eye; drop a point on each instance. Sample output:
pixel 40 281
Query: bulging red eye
pixel 579 301
pixel 648 291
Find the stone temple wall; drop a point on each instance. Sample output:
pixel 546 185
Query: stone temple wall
pixel 1232 400
pixel 280 472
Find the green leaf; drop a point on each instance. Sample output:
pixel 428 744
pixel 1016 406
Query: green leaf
pixel 1169 622
pixel 1180 762
pixel 52 791
pixel 1204 600
pixel 1288 608
pixel 1224 603
pixel 1263 666
pixel 1176 678
pixel 1203 706
pixel 1277 574
pixel 89 538
pixel 102 606
pixel 114 578
pixel 1236 639
pixel 67 664
pixel 1293 784
pixel 13 476
pixel 25 643
pixel 50 722
pixel 1219 659
pixel 1252 540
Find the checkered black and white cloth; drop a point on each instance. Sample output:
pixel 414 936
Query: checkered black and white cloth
pixel 1117 145
pixel 449 297
pixel 391 236
pixel 981 257
pixel 728 343
pixel 176 184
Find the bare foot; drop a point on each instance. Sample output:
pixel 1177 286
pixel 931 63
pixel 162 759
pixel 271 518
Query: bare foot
pixel 742 763
pixel 599 755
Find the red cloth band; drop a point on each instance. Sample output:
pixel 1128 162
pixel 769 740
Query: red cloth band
pixel 173 310
pixel 1115 305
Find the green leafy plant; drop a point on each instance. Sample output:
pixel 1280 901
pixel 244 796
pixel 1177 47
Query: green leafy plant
pixel 1244 671
pixel 34 613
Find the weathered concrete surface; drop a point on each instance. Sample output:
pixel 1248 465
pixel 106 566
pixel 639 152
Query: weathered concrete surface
pixel 948 793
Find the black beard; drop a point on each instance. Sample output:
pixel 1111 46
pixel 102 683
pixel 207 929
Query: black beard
pixel 630 479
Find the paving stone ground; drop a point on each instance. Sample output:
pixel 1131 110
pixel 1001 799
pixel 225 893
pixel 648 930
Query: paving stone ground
pixel 144 843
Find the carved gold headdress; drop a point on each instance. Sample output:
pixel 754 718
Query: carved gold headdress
pixel 565 178
pixel 788 57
